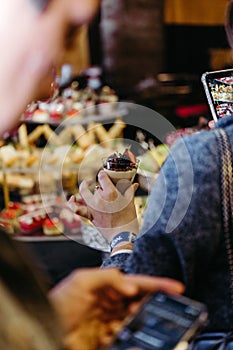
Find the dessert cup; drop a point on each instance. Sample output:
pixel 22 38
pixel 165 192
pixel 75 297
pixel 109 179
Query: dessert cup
pixel 121 167
pixel 116 176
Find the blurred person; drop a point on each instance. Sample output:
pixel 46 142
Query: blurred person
pixel 32 44
pixel 83 311
pixel 182 234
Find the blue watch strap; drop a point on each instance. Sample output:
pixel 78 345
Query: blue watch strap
pixel 122 237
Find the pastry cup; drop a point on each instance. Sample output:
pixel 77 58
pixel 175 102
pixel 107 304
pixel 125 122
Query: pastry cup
pixel 116 176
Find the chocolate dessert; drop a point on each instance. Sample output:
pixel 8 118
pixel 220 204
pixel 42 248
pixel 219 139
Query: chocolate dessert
pixel 120 166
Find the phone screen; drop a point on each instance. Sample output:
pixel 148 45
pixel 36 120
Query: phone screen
pixel 161 323
pixel 218 87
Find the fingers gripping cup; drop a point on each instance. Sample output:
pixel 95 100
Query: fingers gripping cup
pixel 121 166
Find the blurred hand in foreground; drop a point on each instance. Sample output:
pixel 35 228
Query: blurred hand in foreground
pixel 92 303
pixel 110 210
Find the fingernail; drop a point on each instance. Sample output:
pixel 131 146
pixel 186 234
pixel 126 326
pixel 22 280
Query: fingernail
pixel 101 173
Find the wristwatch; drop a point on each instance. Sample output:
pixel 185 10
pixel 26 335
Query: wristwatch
pixel 122 237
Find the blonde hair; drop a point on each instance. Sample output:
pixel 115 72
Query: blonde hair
pixel 21 330
pixel 23 301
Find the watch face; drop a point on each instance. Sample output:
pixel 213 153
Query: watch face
pixel 127 237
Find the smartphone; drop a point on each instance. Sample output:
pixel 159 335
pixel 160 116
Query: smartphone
pixel 162 322
pixel 218 86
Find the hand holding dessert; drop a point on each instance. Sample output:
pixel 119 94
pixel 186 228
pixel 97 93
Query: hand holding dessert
pixel 110 210
pixel 92 303
pixel 111 206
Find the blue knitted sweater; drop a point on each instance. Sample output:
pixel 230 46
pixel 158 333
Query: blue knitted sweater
pixel 182 233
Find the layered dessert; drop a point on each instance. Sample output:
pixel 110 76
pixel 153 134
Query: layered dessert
pixel 9 220
pixel 17 207
pixel 72 222
pixel 120 166
pixel 31 223
pixel 53 227
pixel 9 217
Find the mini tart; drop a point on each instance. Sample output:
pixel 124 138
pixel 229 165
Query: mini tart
pixel 9 220
pixel 17 207
pixel 72 222
pixel 53 227
pixel 30 225
pixel 40 116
